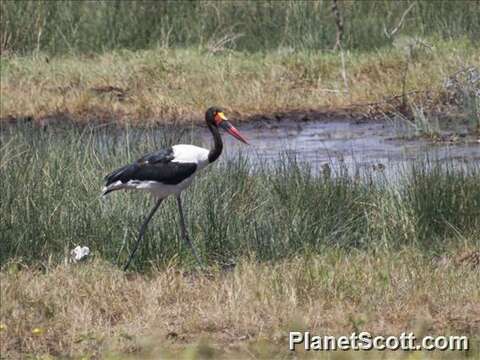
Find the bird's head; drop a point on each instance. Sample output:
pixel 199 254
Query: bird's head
pixel 216 117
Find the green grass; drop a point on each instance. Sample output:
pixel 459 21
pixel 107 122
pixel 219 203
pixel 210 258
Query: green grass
pixel 332 254
pixel 85 27
pixel 51 181
pixel 157 62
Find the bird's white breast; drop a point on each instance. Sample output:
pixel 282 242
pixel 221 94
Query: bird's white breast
pixel 190 154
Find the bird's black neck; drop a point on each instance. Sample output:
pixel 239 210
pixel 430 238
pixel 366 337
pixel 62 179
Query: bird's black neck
pixel 217 144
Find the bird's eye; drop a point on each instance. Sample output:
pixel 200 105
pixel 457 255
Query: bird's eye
pixel 218 117
pixel 221 115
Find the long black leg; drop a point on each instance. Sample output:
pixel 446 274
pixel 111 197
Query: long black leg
pixel 142 232
pixel 183 229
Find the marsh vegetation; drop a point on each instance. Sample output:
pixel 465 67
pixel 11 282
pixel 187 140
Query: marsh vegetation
pixel 284 248
pixel 289 245
pixel 50 201
pixel 167 61
pixel 251 26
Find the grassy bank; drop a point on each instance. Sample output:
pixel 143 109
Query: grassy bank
pixel 176 85
pixel 157 62
pixel 94 310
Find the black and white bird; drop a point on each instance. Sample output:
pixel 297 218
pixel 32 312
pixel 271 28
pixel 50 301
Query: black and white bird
pixel 170 171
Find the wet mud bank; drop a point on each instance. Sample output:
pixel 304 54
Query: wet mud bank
pixel 318 138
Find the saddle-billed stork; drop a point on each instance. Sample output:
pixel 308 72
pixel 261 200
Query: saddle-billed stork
pixel 169 171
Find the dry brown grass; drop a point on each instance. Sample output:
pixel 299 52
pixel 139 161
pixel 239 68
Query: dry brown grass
pixel 167 85
pixel 94 309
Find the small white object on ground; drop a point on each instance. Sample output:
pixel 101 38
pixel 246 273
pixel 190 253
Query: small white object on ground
pixel 79 253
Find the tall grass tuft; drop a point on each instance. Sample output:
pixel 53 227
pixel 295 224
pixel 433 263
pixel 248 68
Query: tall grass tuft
pixel 50 203
pixel 96 26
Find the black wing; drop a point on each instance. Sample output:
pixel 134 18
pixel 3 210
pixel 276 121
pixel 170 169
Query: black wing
pixel 156 166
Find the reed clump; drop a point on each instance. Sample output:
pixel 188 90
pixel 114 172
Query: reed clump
pixel 91 27
pixel 51 182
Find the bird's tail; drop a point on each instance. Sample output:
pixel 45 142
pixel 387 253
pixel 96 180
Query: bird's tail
pixel 106 191
pixel 114 180
pixel 118 185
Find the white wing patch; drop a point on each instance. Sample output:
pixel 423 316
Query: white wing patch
pixel 190 154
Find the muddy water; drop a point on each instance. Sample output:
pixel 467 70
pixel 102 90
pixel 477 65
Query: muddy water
pixel 355 145
pixel 359 145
